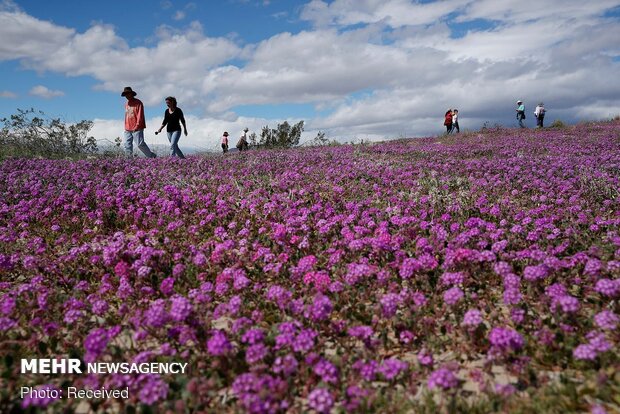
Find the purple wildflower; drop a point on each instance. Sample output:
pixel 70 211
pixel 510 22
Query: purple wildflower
pixel 320 400
pixel 256 353
pixel 367 370
pixel 156 315
pixel 569 304
pixel 95 343
pixel 167 286
pixel 512 296
pixel 321 308
pixel 472 318
pixel 253 336
pixel 608 287
pixel 218 344
pixel 180 308
pixel 390 368
pixel 286 365
pixel 533 273
pixel 452 278
pixel 585 352
pixel 606 320
pixel 327 371
pixel 304 341
pixel 153 390
pixel 442 378
pixel 505 339
pixel 453 295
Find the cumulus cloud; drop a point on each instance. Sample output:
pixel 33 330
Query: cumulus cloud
pixel 45 93
pixel 24 36
pixel 395 13
pixel 99 52
pixel 8 94
pixel 371 68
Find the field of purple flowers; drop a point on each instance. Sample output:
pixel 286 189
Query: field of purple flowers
pixel 473 273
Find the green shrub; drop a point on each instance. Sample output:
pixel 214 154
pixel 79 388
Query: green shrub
pixel 557 124
pixel 30 133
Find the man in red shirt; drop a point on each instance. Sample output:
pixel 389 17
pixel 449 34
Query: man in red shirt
pixel 135 124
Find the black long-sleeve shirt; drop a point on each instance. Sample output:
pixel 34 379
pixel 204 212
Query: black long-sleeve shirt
pixel 173 119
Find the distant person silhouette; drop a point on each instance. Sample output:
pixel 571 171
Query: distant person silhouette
pixel 539 113
pixel 242 144
pixel 455 120
pixel 521 113
pixel 225 142
pixel 448 121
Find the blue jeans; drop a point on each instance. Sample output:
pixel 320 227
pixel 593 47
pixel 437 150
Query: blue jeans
pixel 139 136
pixel 521 123
pixel 174 137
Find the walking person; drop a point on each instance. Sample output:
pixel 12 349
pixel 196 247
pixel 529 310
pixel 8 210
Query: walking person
pixel 225 142
pixel 135 124
pixel 521 113
pixel 242 144
pixel 448 121
pixel 539 113
pixel 173 118
pixel 455 120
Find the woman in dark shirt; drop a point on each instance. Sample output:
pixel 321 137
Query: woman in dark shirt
pixel 173 117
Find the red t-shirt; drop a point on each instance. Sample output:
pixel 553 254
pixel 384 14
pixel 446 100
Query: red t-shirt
pixel 134 115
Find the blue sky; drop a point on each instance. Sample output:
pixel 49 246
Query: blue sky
pixel 244 21
pixel 366 69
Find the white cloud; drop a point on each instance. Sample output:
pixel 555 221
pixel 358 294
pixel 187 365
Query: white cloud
pixel 9 6
pixel 8 94
pixel 24 36
pixel 101 53
pixel 395 13
pixel 45 93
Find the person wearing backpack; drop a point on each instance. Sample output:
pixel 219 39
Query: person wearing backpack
pixel 539 113
pixel 521 113
pixel 455 120
pixel 242 144
pixel 448 121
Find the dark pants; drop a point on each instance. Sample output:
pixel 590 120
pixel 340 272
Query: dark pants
pixel 456 126
pixel 448 128
pixel 224 148
pixel 539 121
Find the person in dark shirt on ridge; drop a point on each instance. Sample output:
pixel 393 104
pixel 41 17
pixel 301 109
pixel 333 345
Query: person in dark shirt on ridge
pixel 173 117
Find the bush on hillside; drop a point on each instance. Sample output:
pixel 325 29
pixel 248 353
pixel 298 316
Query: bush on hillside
pixel 283 136
pixel 557 124
pixel 31 133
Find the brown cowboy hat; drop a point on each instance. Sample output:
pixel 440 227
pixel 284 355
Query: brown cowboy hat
pixel 127 91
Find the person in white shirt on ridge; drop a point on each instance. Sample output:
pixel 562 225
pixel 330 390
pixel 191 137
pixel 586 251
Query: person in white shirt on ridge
pixel 539 113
